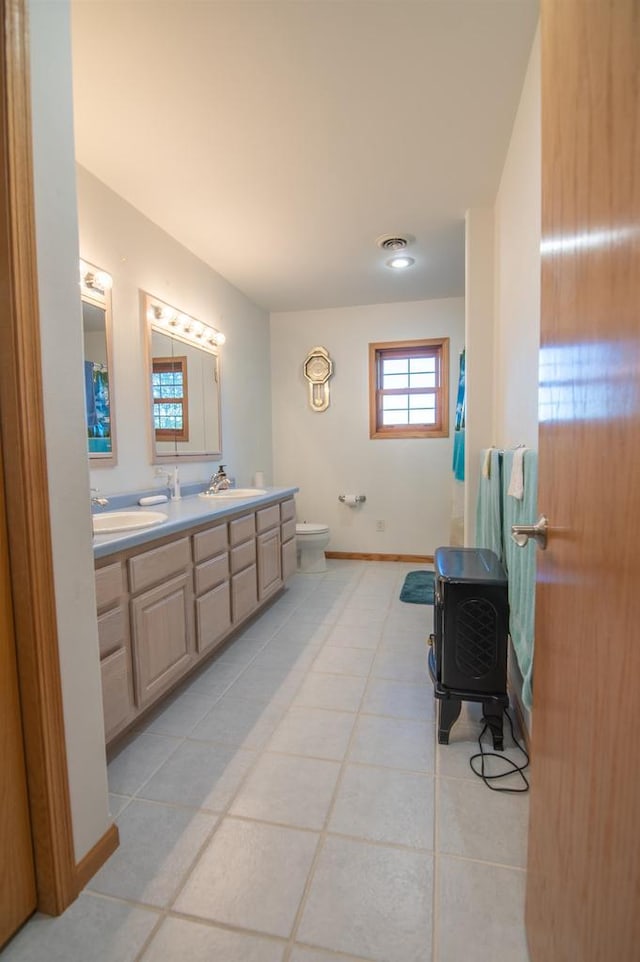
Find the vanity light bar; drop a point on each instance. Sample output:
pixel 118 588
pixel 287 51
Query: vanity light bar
pixel 186 328
pixel 93 279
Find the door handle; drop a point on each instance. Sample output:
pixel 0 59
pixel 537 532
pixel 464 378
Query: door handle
pixel 538 531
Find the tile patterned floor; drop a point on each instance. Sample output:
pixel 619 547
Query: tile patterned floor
pixel 290 804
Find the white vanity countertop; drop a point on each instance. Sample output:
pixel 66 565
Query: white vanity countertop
pixel 183 514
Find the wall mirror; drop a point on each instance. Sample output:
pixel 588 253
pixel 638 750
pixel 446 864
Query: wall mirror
pixel 183 374
pixel 95 292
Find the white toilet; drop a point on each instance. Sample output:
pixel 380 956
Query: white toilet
pixel 311 540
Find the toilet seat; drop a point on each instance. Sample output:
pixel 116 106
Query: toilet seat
pixel 308 527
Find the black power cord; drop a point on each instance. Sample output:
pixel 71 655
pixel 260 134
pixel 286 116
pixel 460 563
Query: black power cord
pixel 513 769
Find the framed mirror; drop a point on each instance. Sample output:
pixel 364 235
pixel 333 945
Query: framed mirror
pixel 95 292
pixel 183 374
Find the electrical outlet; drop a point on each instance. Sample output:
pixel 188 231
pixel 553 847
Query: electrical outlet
pixel 380 525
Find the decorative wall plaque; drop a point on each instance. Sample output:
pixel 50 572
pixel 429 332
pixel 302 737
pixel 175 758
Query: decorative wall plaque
pixel 318 368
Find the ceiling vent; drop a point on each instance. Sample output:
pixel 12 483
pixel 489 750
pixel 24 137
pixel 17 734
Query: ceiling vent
pixel 392 242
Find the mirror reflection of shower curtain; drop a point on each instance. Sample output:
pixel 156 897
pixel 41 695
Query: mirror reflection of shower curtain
pixel 96 390
pixel 457 496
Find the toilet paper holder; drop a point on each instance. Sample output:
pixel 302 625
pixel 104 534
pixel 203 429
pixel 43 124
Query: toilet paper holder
pixel 352 498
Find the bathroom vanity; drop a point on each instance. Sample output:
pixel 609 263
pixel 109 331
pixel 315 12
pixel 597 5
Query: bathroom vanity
pixel 169 596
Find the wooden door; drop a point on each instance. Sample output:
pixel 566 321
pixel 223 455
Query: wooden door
pixel 583 893
pixel 17 874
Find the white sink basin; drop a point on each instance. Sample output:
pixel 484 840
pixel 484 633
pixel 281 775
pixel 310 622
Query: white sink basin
pixel 112 521
pixel 234 493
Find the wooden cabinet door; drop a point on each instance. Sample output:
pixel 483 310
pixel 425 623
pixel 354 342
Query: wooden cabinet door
pixel 244 594
pixel 289 559
pixel 162 625
pixel 269 562
pixel 213 616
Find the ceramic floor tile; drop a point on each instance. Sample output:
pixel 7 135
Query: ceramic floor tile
pixel 180 715
pixel 290 657
pixel 214 679
pixel 290 791
pixel 117 803
pixel 342 636
pixel 399 700
pixel 300 634
pixel 338 692
pixel 262 683
pixel 477 823
pixel 370 901
pixel 138 760
pixel 239 721
pixel 313 732
pixel 158 845
pixel 356 618
pixel 251 876
pixel 481 912
pixel 92 929
pixel 178 939
pixel 407 666
pixel 302 954
pixel 453 759
pixel 201 775
pixel 344 661
pixel 394 743
pixel 383 805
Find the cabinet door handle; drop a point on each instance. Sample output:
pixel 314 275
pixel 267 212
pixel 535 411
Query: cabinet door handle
pixel 538 531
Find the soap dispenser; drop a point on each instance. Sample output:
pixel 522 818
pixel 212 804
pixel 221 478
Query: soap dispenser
pixel 175 486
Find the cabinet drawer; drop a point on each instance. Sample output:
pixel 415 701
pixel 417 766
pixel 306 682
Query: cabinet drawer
pixel 162 641
pixel 242 528
pixel 288 510
pixel 109 585
pixel 112 631
pixel 116 691
pixel 243 556
pixel 288 530
pixel 268 517
pixel 212 572
pixel 213 616
pixel 206 544
pixel 244 594
pixel 289 558
pixel 154 566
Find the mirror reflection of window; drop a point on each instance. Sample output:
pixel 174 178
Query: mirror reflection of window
pixel 170 398
pixel 184 377
pixel 98 376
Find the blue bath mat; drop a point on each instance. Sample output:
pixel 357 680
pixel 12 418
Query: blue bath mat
pixel 418 588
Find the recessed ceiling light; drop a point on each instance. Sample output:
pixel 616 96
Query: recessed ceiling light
pixel 400 262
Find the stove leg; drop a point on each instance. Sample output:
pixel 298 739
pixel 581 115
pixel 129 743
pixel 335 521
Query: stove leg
pixel 448 711
pixel 493 716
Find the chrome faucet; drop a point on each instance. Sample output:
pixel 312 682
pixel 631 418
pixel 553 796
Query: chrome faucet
pixel 219 481
pixel 102 502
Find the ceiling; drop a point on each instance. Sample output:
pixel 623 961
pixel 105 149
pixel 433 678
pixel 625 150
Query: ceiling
pixel 278 139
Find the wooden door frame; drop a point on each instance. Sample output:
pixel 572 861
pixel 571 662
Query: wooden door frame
pixel 22 434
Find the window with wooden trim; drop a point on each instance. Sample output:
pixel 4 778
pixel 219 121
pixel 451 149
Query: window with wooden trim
pixel 170 398
pixel 409 389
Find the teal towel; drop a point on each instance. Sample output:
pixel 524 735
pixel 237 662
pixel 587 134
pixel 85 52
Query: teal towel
pixel 521 566
pixel 489 506
pixel 458 455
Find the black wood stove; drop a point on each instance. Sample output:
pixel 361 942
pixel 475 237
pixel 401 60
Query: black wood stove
pixel 468 654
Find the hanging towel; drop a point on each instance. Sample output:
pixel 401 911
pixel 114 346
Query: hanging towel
pixel 458 455
pixel 489 505
pixel 486 463
pixel 521 565
pixel 516 482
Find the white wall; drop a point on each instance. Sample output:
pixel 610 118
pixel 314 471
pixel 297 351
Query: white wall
pixel 517 277
pixel 408 482
pixel 140 256
pixel 63 384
